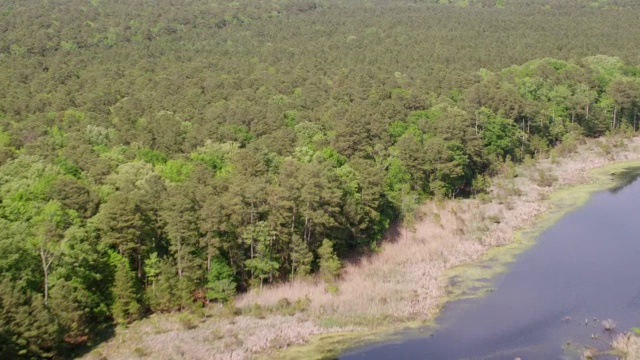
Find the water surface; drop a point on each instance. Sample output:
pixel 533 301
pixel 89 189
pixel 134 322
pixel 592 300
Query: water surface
pixel 551 302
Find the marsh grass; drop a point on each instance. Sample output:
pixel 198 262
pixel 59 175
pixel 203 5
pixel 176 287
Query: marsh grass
pixel 405 283
pixel 627 346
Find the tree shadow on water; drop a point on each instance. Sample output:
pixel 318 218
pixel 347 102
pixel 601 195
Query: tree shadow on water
pixel 625 178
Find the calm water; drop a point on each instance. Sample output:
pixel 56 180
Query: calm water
pixel 586 266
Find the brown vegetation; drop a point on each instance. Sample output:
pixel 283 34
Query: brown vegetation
pixel 628 345
pixel 405 281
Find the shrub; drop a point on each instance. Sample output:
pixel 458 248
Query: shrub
pixel 220 285
pixel 545 178
pixel 329 263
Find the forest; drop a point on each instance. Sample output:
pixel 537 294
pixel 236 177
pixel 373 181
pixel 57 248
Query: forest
pixel 159 155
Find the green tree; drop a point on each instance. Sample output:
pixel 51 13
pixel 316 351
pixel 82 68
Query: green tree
pixel 50 225
pixel 122 225
pixel 220 286
pixel 27 327
pixel 80 293
pixel 301 257
pixel 162 292
pixel 126 305
pixel 262 265
pixel 181 218
pixel 329 263
pixel 501 137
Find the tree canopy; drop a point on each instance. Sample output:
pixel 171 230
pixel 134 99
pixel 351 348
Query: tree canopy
pixel 156 156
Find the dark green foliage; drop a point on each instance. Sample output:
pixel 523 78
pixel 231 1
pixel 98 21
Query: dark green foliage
pixel 329 263
pixel 74 307
pixel 27 327
pixel 161 292
pixel 301 257
pixel 215 146
pixel 121 223
pixel 126 306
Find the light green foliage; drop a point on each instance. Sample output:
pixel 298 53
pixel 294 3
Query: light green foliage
pixel 117 154
pixel 409 205
pixel 501 137
pixel 5 138
pixel 606 67
pixel 151 156
pixel 481 183
pixel 182 137
pixel 220 286
pixel 304 154
pixel 309 134
pixel 261 263
pixel 291 118
pixel 333 157
pixel 397 178
pixel 176 171
pixel 24 186
pixel 58 136
pixel 398 128
pixel 328 261
pixel 236 133
pixel 152 268
pixel 216 156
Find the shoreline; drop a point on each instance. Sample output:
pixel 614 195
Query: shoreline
pixel 471 277
pixel 455 246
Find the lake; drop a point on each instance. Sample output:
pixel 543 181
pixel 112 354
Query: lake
pixel 552 301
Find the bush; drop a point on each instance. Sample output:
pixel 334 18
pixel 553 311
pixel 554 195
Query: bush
pixel 187 321
pixel 570 143
pixel 545 178
pixel 329 263
pixel 220 285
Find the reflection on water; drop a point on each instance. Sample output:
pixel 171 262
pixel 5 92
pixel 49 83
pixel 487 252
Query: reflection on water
pixel 551 303
pixel 625 178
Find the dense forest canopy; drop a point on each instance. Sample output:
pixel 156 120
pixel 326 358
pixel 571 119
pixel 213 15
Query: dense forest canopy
pixel 157 155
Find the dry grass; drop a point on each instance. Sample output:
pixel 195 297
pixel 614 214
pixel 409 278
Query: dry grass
pixel 628 345
pixel 405 281
pixel 167 337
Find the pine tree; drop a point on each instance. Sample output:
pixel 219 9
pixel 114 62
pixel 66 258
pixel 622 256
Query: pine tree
pixel 28 329
pixel 126 306
pixel 329 263
pixel 161 293
pixel 122 225
pixel 261 265
pixel 12 303
pixel 72 306
pixel 301 257
pixel 152 269
pixel 220 286
pixel 181 217
pixel 40 331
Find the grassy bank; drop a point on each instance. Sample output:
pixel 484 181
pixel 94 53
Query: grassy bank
pixel 450 252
